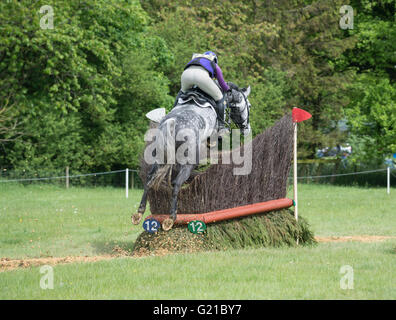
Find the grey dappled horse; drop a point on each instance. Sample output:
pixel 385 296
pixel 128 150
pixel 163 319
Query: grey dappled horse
pixel 200 121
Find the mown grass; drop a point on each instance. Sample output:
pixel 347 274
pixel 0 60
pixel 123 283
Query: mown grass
pixel 282 273
pixel 102 220
pixel 336 210
pixel 45 220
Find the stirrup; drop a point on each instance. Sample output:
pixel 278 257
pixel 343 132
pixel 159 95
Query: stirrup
pixel 222 130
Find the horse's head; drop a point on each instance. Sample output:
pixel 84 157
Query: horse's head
pixel 240 108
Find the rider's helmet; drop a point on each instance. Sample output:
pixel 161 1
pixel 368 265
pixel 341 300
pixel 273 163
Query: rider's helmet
pixel 212 54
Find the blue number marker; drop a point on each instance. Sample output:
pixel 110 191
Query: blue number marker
pixel 151 225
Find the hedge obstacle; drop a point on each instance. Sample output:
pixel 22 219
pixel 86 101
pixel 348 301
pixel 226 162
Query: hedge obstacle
pixel 239 210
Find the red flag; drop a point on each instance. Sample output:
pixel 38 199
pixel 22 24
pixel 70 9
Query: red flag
pixel 300 115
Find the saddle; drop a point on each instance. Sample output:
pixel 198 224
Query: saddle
pixel 198 95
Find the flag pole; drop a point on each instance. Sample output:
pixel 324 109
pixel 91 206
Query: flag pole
pixel 298 115
pixel 295 173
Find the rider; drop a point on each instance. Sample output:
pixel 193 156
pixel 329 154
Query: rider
pixel 201 71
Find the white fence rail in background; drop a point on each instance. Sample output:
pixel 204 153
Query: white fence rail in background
pixel 388 173
pixel 341 174
pixel 67 177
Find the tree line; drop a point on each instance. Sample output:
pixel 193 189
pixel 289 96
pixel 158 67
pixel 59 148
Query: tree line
pixel 76 94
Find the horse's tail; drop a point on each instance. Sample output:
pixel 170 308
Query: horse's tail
pixel 162 172
pixel 168 145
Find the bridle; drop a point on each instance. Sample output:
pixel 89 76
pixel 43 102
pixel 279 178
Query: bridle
pixel 247 105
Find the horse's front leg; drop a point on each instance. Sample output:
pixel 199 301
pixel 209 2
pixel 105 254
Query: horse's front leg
pixel 181 177
pixel 137 217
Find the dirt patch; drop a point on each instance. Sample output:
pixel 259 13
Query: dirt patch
pixel 354 238
pixel 7 264
pixel 144 252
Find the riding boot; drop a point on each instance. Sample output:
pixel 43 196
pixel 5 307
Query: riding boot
pixel 177 98
pixel 220 109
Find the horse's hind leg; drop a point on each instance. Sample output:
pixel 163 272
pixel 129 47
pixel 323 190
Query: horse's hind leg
pixel 150 175
pixel 181 177
pixel 137 217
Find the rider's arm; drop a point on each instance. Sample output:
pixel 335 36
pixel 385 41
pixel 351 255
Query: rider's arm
pixel 219 76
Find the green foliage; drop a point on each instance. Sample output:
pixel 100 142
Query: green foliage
pixel 372 110
pixel 80 88
pixel 227 28
pixel 269 99
pixel 372 116
pixel 76 94
pixel 287 51
pixel 311 45
pixel 375 31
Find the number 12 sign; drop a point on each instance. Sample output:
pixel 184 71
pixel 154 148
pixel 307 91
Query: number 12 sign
pixel 151 225
pixel 196 226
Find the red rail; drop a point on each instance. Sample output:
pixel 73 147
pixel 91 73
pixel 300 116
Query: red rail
pixel 226 214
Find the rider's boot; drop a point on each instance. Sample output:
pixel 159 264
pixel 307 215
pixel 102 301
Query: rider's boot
pixel 177 98
pixel 220 109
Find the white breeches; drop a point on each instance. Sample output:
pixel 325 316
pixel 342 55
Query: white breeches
pixel 196 75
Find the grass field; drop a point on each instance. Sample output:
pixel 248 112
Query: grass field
pixel 45 221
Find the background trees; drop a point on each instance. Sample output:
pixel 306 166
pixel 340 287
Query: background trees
pixel 372 109
pixel 81 88
pixel 287 51
pixel 79 91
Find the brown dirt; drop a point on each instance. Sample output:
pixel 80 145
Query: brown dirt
pixel 7 264
pixel 354 238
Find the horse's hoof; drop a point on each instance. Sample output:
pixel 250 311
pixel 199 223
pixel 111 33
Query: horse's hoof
pixel 167 224
pixel 136 218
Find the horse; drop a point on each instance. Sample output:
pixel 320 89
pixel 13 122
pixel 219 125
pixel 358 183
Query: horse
pixel 199 121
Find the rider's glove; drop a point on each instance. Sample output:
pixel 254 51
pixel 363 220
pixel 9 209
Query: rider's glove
pixel 233 86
